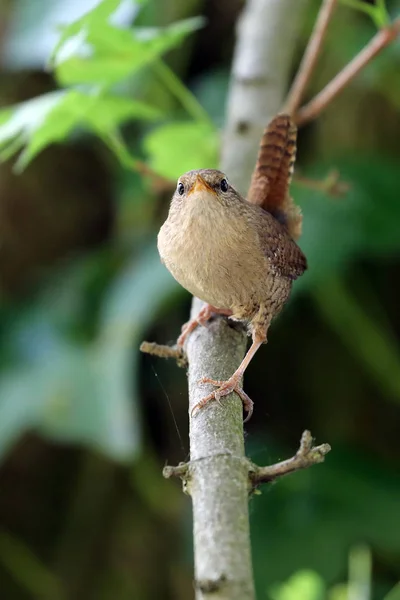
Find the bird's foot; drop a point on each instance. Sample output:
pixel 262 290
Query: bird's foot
pixel 225 388
pixel 187 329
pixel 204 315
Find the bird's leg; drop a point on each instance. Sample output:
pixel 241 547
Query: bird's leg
pixel 204 315
pixel 233 383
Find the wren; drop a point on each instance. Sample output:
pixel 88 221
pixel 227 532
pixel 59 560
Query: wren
pixel 239 256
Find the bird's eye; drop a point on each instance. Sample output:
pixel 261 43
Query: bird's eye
pixel 181 189
pixel 224 185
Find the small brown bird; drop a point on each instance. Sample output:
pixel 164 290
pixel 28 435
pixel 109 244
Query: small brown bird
pixel 238 256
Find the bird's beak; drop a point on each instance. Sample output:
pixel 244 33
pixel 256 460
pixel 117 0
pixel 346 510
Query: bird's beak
pixel 201 186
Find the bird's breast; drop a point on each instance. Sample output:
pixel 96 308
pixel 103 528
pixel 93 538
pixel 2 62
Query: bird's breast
pixel 212 254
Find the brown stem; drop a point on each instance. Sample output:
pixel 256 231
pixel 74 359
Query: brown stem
pixel 306 456
pixel 383 38
pixel 331 184
pixel 165 352
pixel 180 471
pixel 310 57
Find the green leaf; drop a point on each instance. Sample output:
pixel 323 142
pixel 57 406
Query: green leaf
pixel 178 147
pixel 95 17
pixel 303 585
pixel 107 54
pixel 139 292
pixel 20 123
pixel 83 408
pixel 65 396
pixel 85 393
pixel 378 12
pixel 50 118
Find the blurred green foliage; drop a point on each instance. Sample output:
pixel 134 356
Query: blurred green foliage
pixel 308 585
pixel 93 52
pixel 84 512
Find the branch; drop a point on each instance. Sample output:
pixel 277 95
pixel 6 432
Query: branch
pixel 179 471
pixel 267 37
pixel 331 185
pixel 306 456
pixel 219 482
pixel 310 57
pixel 383 38
pixel 163 351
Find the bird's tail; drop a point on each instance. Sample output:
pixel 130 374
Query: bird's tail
pixel 269 187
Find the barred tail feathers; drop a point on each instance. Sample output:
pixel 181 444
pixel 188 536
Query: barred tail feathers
pixel 272 175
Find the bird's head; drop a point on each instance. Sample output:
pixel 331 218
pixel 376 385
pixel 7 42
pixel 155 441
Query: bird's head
pixel 204 185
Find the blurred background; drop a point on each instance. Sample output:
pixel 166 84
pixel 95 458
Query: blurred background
pixel 86 421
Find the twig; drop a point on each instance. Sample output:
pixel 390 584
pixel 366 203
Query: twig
pixel 165 352
pixel 306 456
pixel 383 38
pixel 310 57
pixel 180 470
pixel 330 185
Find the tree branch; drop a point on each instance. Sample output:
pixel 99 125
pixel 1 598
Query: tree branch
pixel 163 351
pixel 219 482
pixel 310 57
pixel 266 41
pixel 218 476
pixel 383 38
pixel 306 456
pixel 331 185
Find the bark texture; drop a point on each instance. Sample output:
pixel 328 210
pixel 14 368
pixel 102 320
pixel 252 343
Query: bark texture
pixel 218 475
pixel 266 41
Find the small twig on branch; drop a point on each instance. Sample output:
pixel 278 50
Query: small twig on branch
pixel 383 38
pixel 179 471
pixel 310 57
pixel 306 456
pixel 331 184
pixel 163 351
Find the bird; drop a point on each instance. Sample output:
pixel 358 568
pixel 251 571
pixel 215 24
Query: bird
pixel 238 255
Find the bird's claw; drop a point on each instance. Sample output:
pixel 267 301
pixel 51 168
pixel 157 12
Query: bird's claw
pixel 225 388
pixel 185 330
pixel 191 325
pixel 202 318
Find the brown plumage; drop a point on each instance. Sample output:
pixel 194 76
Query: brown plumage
pixel 237 256
pixel 272 175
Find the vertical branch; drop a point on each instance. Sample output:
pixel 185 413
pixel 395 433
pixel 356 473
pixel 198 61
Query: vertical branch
pixel 218 481
pixel 267 36
pixel 217 478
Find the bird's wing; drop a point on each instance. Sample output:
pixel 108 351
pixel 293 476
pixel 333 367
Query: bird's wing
pixel 282 252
